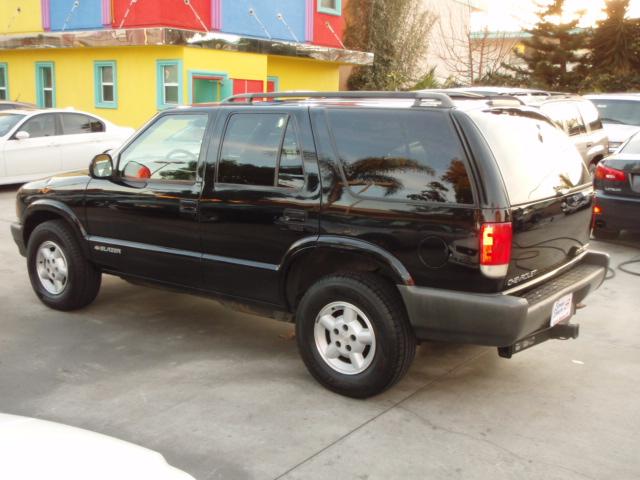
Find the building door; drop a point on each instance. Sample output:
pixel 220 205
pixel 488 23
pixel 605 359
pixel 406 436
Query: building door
pixel 206 89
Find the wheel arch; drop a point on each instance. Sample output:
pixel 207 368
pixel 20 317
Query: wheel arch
pixel 311 259
pixel 44 210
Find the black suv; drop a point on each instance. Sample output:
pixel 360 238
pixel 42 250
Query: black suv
pixel 373 220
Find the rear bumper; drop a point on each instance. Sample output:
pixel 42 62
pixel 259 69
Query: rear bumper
pixel 16 233
pixel 618 213
pixel 495 319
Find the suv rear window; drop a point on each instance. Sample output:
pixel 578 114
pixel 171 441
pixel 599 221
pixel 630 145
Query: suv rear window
pixel 537 160
pixel 401 155
pixel 618 111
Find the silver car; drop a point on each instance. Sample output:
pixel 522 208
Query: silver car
pixel 620 115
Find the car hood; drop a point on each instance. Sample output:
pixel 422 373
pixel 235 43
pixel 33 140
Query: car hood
pixel 619 133
pixel 34 449
pixel 75 180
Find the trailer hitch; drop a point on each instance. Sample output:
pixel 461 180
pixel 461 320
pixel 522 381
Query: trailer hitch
pixel 562 331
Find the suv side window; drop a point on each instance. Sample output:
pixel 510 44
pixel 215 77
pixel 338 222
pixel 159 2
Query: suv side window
pixel 75 123
pixel 405 155
pixel 261 149
pixel 591 115
pixel 168 150
pixel 40 126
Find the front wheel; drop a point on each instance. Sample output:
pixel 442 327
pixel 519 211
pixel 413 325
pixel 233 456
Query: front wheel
pixel 60 274
pixel 353 334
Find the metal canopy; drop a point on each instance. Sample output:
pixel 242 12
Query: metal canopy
pixel 159 36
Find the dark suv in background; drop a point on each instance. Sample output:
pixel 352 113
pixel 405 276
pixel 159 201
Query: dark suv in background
pixel 372 219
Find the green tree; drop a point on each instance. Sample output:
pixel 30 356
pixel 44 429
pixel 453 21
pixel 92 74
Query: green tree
pixel 615 40
pixel 396 32
pixel 551 52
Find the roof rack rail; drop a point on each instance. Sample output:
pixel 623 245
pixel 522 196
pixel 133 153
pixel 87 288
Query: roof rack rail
pixel 493 99
pixel 442 98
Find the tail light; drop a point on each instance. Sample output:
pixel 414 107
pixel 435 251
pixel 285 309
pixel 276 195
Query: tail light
pixel 495 249
pixel 611 174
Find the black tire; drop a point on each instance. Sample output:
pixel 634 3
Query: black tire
pixel 395 344
pixel 605 234
pixel 83 278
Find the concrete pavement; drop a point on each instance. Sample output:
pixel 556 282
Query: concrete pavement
pixel 222 395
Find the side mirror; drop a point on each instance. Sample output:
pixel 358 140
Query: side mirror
pixel 22 135
pixel 101 166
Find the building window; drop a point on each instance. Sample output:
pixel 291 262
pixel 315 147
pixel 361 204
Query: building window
pixel 4 82
pixel 169 83
pixel 332 7
pixel 45 85
pixel 106 84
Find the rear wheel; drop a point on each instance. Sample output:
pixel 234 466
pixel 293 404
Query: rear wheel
pixel 60 275
pixel 353 334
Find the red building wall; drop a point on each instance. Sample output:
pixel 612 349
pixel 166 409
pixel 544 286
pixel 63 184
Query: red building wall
pixel 322 33
pixel 169 13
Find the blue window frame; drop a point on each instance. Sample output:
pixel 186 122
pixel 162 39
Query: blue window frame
pixel 169 83
pixel 4 82
pixel 45 84
pixel 331 7
pixel 105 75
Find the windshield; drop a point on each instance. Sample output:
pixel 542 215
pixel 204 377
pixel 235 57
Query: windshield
pixel 624 112
pixel 632 146
pixel 8 121
pixel 537 160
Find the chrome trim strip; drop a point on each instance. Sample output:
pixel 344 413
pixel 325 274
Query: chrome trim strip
pixel 159 36
pixel 244 263
pixel 183 253
pixel 547 275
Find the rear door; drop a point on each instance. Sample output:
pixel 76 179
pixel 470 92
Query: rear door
pixel 81 140
pixel 549 189
pixel 263 197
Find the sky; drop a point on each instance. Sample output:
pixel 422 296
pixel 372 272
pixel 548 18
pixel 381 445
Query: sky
pixel 511 15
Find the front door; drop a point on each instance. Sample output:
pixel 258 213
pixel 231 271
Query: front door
pixel 37 155
pixel 144 221
pixel 265 198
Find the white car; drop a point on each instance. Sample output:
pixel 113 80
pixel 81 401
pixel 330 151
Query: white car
pixel 33 449
pixel 40 143
pixel 620 115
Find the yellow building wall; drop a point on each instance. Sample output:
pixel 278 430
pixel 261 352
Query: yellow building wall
pixel 247 66
pixel 137 86
pixel 303 74
pixel 20 16
pixel 74 78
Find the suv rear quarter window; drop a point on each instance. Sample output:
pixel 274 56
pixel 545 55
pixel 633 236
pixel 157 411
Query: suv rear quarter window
pixel 408 155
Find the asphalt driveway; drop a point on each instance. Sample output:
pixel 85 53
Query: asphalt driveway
pixel 223 395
